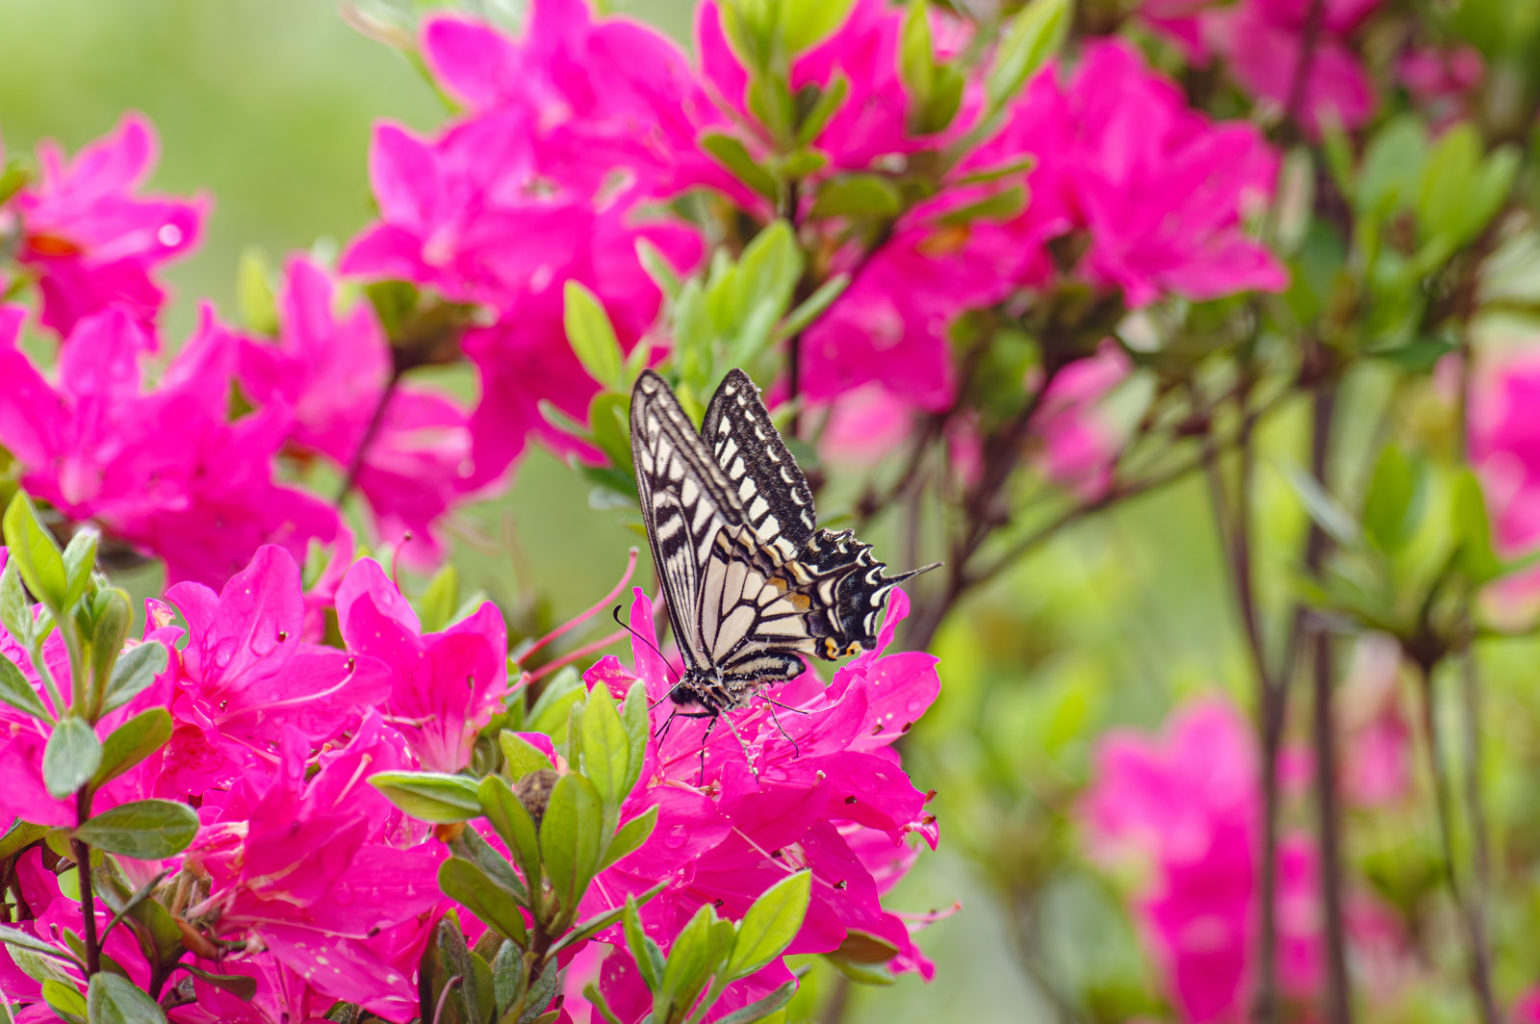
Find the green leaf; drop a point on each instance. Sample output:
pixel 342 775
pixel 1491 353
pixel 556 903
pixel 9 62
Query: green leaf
pixel 15 609
pixel 1392 167
pixel 770 924
pixel 570 838
pixel 508 976
pixel 1325 510
pixel 114 618
pixel 254 293
pixel 1001 205
pixel 468 885
pixel 146 829
pixel 71 757
pixel 857 195
pixel 429 796
pixel 1029 40
pixel 634 717
pixel 648 957
pixel 610 422
pixel 916 54
pixel 660 270
pixel 132 742
pixel 436 606
pixel 830 98
pixel 15 938
pixel 630 836
pixel 768 270
pixel 733 155
pixel 18 693
pixel 65 1000
pixel 941 107
pixel 135 670
pixel 606 749
pixel 1477 556
pixel 1394 503
pixel 36 554
pixel 690 963
pixel 242 986
pixel 115 1000
pixel 19 836
pixel 394 302
pixel 540 995
pixel 807 22
pixel 761 1008
pixel 591 335
pixel 549 715
pixel 470 846
pixel 513 825
pixel 521 756
pixel 596 999
pixel 79 561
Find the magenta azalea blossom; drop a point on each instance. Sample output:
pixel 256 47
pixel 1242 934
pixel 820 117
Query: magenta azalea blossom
pixel 247 676
pixel 89 235
pixel 808 782
pixel 444 686
pixel 313 867
pixel 329 373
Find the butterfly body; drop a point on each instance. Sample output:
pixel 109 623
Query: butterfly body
pixel 752 584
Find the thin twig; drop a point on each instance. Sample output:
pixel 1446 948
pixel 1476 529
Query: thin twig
pixel 82 855
pixel 361 451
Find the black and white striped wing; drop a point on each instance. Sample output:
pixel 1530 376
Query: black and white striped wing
pixel 758 466
pixel 686 502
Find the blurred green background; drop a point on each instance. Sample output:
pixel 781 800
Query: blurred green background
pixel 267 107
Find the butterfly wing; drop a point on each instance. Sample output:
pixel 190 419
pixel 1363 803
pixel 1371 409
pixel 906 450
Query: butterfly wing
pixel 758 466
pixel 686 501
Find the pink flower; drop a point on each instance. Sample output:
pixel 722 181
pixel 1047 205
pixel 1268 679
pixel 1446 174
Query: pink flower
pixel 474 215
pixel 601 94
pixel 1159 192
pixel 1187 805
pixel 1078 446
pixel 328 374
pixel 92 241
pixel 1377 741
pixel 314 867
pixel 162 469
pixel 445 686
pixel 247 677
pixel 805 782
pixel 282 997
pixel 1505 448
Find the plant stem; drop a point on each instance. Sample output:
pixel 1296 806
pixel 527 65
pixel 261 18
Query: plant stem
pixel 376 420
pixel 1443 799
pixel 1475 809
pixel 82 855
pixel 1339 1004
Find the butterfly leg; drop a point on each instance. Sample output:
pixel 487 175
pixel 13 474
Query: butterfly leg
pixel 796 751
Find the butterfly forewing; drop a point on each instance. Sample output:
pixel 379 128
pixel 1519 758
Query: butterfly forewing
pixel 758 466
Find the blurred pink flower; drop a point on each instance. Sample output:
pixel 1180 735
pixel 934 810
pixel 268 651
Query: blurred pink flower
pixel 94 242
pixel 1505 449
pixel 1187 805
pixel 444 686
pixel 1377 740
pixel 247 677
pixel 312 866
pixel 328 374
pixel 1160 192
pixel 825 792
pixel 1078 445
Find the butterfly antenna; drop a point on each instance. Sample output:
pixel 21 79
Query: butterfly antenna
pixel 913 572
pixel 796 751
pixel 615 614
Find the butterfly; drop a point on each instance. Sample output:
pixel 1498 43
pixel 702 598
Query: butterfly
pixel 751 582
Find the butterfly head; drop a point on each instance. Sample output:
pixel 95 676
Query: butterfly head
pixel 704 689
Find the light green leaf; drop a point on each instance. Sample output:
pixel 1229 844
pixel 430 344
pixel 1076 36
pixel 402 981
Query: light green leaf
pixel 1325 510
pixel 254 293
pixel 916 53
pixel 470 846
pixel 36 554
pixel 549 715
pixel 1027 43
pixel 66 1001
pixel 1394 503
pixel 629 838
pixel 690 963
pixel 638 726
pixel 513 825
pixel 761 1008
pixel 135 670
pixel 18 836
pixel 807 22
pixel 829 101
pixel 436 606
pixel 132 742
pixel 770 924
pixel 1001 205
pixel 146 829
pixel 15 938
pixel 79 561
pixel 732 154
pixel 1473 526
pixel 114 618
pixel 858 195
pixel 15 609
pixel 648 957
pixel 521 756
pixel 606 749
pixel 468 885
pixel 570 838
pixel 115 1000
pixel 591 335
pixel 71 757
pixel 242 986
pixel 429 796
pixel 18 693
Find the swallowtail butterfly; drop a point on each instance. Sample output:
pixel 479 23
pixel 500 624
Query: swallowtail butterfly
pixel 751 582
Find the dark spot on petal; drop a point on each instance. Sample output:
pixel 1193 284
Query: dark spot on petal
pixel 283 635
pixel 840 885
pixel 352 664
pixel 878 729
pixel 850 799
pixel 907 727
pixel 930 796
pixel 717 904
pixel 777 854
